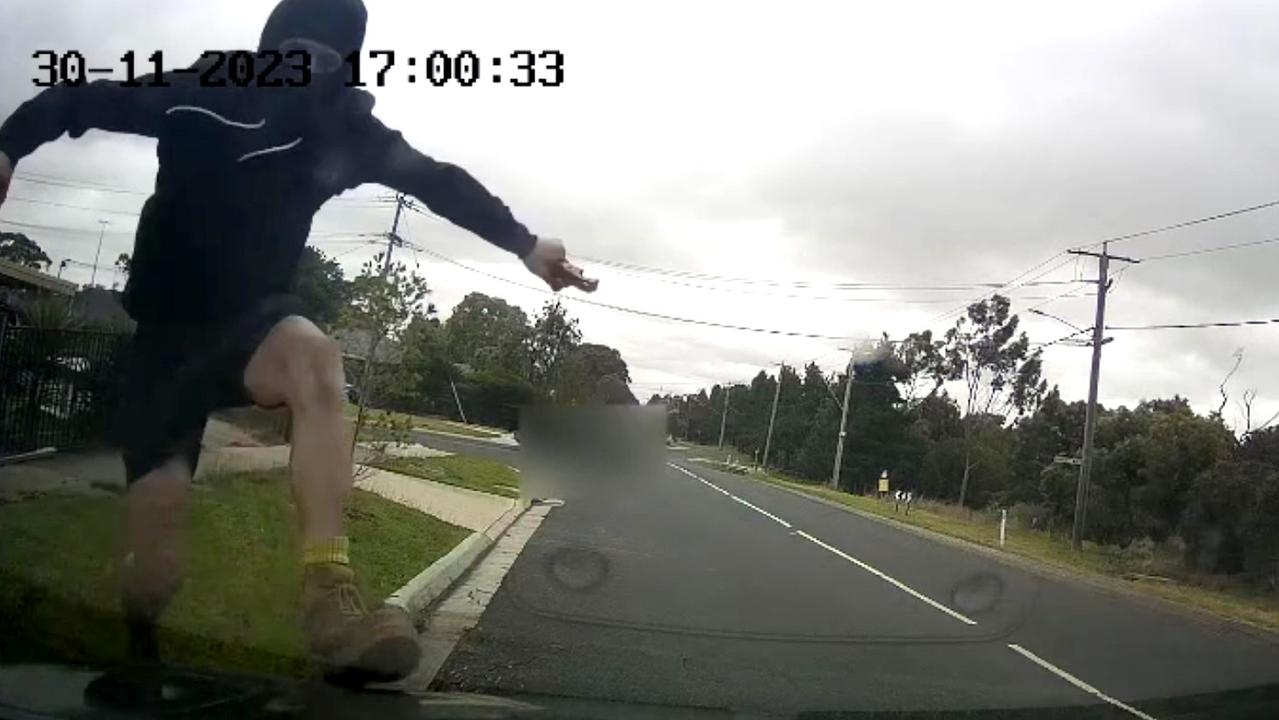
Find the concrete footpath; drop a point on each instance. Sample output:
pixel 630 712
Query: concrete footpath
pixel 470 509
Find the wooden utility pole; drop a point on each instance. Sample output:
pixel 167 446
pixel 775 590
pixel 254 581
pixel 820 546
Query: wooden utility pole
pixel 366 380
pixel 1094 378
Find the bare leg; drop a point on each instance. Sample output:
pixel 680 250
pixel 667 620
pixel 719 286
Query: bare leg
pixel 299 366
pixel 155 540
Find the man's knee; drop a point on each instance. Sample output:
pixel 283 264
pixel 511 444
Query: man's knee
pixel 314 378
pixel 299 366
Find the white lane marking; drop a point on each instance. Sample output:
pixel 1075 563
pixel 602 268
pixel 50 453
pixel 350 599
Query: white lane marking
pixel 886 578
pixel 733 497
pixel 1076 681
pixel 762 511
pixel 707 483
pixel 889 579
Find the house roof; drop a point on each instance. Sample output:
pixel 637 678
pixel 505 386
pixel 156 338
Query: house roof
pixel 355 345
pixel 13 274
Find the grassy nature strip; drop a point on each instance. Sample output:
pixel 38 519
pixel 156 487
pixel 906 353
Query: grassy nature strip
pixel 431 424
pixel 468 472
pixel 59 573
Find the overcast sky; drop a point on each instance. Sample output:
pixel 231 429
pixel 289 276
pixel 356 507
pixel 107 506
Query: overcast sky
pixel 916 144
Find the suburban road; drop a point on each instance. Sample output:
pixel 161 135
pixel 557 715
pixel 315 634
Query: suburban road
pixel 694 588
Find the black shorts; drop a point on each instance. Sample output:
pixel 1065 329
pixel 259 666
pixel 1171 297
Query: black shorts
pixel 176 374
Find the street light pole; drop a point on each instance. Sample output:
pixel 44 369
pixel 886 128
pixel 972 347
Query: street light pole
pixel 843 423
pixel 94 275
pixel 772 416
pixel 723 420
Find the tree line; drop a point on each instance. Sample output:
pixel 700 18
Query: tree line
pixel 1162 472
pixel 485 361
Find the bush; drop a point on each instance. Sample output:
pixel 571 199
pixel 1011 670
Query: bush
pixel 1140 551
pixel 1231 523
pixel 494 400
pixel 1028 516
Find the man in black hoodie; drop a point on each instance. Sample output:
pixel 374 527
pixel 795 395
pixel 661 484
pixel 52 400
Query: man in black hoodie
pixel 242 172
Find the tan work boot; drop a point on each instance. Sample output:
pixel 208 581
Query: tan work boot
pixel 352 645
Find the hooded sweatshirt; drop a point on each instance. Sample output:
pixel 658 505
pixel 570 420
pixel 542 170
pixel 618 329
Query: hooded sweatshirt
pixel 243 171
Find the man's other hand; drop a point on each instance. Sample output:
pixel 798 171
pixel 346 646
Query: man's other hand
pixel 548 261
pixel 6 175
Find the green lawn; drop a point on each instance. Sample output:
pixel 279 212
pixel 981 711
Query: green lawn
pixel 424 422
pixel 59 563
pixel 1224 597
pixel 474 473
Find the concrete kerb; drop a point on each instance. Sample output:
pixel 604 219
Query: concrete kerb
pixel 418 593
pixel 1051 571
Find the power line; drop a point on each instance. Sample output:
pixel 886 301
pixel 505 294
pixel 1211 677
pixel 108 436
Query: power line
pixel 848 299
pixel 1062 339
pixel 1132 236
pixel 1067 294
pixel 325 238
pixel 635 270
pixel 1210 249
pixel 1186 224
pixel 363 246
pixel 70 206
pixel 70 183
pixel 55 228
pixel 1194 326
pixel 635 311
pixel 77 186
pixel 676 277
pixel 1010 285
pixel 828 298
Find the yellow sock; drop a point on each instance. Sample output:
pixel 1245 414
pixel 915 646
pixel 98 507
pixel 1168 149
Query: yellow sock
pixel 335 550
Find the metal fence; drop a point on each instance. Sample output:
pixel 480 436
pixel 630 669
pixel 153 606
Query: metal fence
pixel 57 387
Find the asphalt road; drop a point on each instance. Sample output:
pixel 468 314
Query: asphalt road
pixel 716 591
pixel 463 446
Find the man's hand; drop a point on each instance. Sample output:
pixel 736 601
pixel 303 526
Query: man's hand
pixel 6 175
pixel 548 261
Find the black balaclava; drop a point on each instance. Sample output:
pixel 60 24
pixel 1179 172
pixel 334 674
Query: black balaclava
pixel 337 23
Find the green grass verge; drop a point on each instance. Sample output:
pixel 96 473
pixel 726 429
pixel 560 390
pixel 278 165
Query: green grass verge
pixel 474 473
pixel 59 574
pixel 1224 597
pixel 435 424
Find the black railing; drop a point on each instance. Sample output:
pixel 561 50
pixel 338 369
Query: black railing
pixel 57 387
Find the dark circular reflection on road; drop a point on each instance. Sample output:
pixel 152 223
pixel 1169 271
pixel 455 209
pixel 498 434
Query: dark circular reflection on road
pixel 977 593
pixel 577 569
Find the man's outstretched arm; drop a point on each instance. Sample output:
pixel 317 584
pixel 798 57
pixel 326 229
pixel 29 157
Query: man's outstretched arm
pixel 453 194
pixel 101 105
